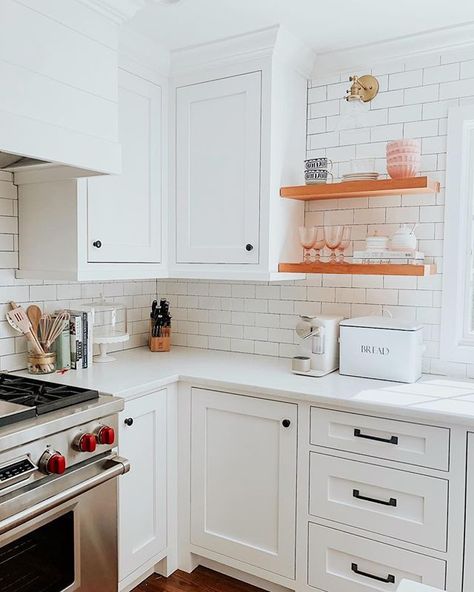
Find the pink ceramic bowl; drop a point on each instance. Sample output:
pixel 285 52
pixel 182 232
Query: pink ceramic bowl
pixel 401 151
pixel 402 171
pixel 404 144
pixel 412 159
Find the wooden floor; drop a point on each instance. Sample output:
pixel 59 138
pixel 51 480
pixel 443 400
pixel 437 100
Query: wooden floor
pixel 201 580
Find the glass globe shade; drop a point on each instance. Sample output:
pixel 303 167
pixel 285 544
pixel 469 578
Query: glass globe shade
pixel 353 113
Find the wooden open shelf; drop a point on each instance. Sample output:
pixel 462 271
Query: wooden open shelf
pixel 359 268
pixel 346 189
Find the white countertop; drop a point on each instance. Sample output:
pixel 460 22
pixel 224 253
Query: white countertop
pixel 138 371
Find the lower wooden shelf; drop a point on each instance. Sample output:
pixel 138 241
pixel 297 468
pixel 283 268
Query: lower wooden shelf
pixel 358 268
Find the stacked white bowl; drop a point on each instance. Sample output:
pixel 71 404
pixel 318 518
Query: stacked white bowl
pixel 403 158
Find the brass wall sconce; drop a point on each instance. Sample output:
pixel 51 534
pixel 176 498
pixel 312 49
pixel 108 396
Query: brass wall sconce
pixel 363 88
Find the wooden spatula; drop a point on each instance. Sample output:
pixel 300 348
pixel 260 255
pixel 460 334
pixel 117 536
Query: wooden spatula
pixel 21 323
pixel 34 314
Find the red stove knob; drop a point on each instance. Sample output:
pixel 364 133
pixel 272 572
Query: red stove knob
pixel 106 435
pixel 52 462
pixel 84 443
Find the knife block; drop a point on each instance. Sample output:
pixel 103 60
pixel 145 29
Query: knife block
pixel 159 344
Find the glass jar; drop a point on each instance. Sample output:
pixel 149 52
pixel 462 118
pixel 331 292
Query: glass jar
pixel 109 319
pixel 41 363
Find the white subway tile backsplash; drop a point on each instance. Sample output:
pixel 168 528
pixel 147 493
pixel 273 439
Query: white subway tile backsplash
pixel 467 69
pixel 389 132
pixel 392 98
pixel 405 79
pixel 443 73
pixel 317 126
pixel 402 215
pixel 421 94
pixel 317 94
pixel 421 129
pixel 405 113
pixel 325 140
pixel 460 88
pixel 324 108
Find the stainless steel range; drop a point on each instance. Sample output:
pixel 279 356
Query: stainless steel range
pixel 58 487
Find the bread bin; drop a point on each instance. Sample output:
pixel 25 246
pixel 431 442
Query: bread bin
pixel 381 347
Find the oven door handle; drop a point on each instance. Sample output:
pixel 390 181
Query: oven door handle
pixel 117 466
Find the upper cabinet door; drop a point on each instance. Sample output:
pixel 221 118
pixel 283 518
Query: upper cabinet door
pixel 218 131
pixel 124 211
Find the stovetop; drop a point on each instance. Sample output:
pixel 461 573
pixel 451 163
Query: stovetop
pixel 23 398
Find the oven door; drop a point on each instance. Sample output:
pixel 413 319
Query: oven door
pixel 62 535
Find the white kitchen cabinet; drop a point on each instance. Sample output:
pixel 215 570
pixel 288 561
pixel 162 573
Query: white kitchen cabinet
pixel 239 135
pixel 398 504
pixel 108 227
pixel 142 491
pixel 124 211
pixel 341 561
pixel 243 479
pixel 218 170
pixel 469 519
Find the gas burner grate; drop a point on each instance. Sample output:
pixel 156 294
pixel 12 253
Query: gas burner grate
pixel 44 396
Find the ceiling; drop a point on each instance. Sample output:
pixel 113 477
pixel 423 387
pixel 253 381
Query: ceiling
pixel 327 25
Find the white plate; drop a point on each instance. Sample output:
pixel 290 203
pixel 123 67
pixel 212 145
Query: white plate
pixel 348 175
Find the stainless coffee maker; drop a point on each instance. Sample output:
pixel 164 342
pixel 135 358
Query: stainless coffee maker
pixel 319 347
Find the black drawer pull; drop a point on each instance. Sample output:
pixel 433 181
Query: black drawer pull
pixel 390 579
pixel 391 502
pixel 391 440
pixel 128 421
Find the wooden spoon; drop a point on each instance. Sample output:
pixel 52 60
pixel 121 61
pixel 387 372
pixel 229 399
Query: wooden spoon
pixel 34 314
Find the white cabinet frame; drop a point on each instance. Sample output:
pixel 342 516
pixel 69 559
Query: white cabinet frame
pixel 457 341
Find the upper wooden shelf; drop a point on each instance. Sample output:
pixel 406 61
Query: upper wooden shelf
pixel 346 189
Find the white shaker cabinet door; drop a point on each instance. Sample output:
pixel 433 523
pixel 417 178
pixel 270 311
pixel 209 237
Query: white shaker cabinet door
pixel 218 141
pixel 243 479
pixel 469 540
pixel 124 211
pixel 142 491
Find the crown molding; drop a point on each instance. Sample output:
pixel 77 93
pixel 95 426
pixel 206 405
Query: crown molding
pixel 118 11
pixel 434 41
pixel 271 42
pixel 140 53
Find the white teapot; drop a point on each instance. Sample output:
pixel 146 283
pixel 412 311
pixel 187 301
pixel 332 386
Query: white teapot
pixel 404 239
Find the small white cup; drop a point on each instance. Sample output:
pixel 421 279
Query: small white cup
pixel 301 364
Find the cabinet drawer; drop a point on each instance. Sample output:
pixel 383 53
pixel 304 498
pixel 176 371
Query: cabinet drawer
pixel 341 561
pixel 394 503
pixel 412 443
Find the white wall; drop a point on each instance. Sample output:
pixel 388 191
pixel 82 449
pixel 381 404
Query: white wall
pixel 413 102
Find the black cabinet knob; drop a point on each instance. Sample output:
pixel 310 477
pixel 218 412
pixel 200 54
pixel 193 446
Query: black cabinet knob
pixel 97 244
pixel 249 247
pixel 128 421
pixel 286 423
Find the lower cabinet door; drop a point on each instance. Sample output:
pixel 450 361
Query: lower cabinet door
pixel 349 563
pixel 243 479
pixel 469 540
pixel 142 491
